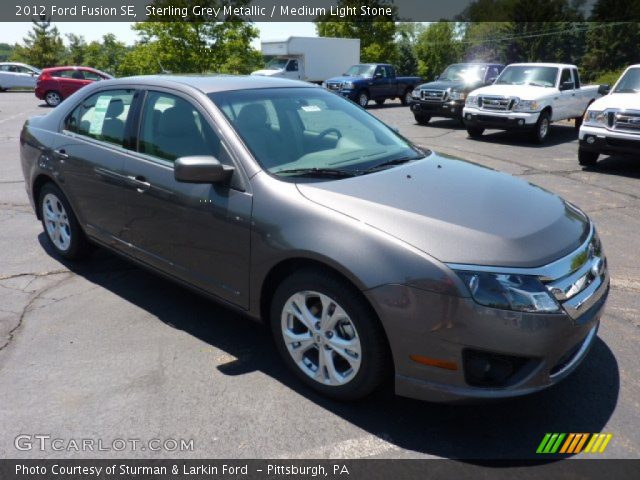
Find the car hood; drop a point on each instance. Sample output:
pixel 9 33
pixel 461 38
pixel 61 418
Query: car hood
pixel 459 212
pixel 345 78
pixel 266 73
pixel 621 101
pixel 526 92
pixel 444 84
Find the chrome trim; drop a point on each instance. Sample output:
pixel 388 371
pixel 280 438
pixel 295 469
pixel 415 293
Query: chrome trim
pixel 492 103
pixel 579 355
pixel 588 297
pixel 431 95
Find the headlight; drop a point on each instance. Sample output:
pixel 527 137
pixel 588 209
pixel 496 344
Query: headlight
pixel 472 100
pixel 527 106
pixel 347 85
pixel 324 84
pixel 595 117
pixel 522 293
pixel 416 93
pixel 458 95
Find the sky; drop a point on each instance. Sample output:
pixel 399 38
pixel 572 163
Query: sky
pixel 12 32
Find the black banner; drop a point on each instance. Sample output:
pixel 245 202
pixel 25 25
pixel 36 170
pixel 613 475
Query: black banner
pixel 329 469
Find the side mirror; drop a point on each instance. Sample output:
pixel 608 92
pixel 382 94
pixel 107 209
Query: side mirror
pixel 490 80
pixel 436 77
pixel 201 169
pixel 604 89
pixel 568 85
pixel 378 75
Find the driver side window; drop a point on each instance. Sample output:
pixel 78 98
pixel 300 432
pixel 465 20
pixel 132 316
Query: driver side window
pixel 566 77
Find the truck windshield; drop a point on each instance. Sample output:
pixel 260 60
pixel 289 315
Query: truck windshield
pixel 276 64
pixel 311 132
pixel 630 82
pixel 467 73
pixel 361 71
pixel 528 75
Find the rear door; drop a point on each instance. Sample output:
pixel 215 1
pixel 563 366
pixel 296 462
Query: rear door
pixel 92 147
pixel 198 233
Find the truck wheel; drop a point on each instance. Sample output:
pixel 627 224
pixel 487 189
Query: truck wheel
pixel 541 130
pixel 363 99
pixel 328 335
pixel 587 158
pixel 475 132
pixel 422 119
pixel 380 101
pixel 406 98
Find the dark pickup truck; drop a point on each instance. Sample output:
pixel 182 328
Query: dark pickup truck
pixel 373 81
pixel 445 96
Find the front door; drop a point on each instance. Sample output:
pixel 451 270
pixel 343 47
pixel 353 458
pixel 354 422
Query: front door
pixel 380 84
pixel 199 233
pixel 566 102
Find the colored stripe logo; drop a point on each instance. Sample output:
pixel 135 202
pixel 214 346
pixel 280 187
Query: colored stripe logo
pixel 571 443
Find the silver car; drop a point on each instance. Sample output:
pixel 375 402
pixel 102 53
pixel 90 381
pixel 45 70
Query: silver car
pixel 17 75
pixel 368 256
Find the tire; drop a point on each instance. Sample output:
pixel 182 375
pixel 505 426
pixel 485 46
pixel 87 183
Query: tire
pixel 578 123
pixel 357 328
pixel 475 132
pixel 541 130
pixel 406 98
pixel 363 98
pixel 60 225
pixel 52 98
pixel 380 101
pixel 587 158
pixel 422 119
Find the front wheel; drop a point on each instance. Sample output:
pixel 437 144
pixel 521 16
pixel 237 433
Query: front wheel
pixel 60 224
pixel 422 119
pixel 406 98
pixel 475 132
pixel 587 158
pixel 328 335
pixel 541 130
pixel 380 101
pixel 363 99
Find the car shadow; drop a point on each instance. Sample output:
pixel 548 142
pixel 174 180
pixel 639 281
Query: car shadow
pixel 446 123
pixel 558 135
pixel 476 433
pixel 622 166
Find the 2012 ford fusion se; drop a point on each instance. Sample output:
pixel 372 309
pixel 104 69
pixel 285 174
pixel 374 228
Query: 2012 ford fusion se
pixel 367 255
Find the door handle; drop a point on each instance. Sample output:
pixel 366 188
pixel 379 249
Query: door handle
pixel 62 153
pixel 140 183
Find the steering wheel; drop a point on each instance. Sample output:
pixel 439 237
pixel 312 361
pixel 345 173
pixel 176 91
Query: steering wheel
pixel 326 132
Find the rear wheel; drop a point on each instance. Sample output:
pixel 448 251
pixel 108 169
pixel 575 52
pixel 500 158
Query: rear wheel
pixel 422 119
pixel 328 335
pixel 541 130
pixel 475 132
pixel 60 224
pixel 380 101
pixel 587 158
pixel 406 98
pixel 363 99
pixel 52 98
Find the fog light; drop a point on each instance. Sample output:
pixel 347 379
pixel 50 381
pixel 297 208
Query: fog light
pixel 521 122
pixel 591 140
pixel 486 369
pixel 468 116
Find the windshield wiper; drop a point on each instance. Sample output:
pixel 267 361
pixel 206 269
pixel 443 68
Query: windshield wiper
pixel 535 84
pixel 391 163
pixel 319 172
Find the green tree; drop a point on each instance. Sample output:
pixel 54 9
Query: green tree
pixel 5 51
pixel 376 34
pixel 42 47
pixel 437 47
pixel 406 60
pixel 76 49
pixel 193 46
pixel 105 55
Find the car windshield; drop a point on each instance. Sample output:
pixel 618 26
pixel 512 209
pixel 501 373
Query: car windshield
pixel 276 64
pixel 528 75
pixel 630 82
pixel 303 131
pixel 361 71
pixel 467 73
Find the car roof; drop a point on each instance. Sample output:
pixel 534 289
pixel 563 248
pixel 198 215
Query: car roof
pixel 213 83
pixel 71 67
pixel 541 64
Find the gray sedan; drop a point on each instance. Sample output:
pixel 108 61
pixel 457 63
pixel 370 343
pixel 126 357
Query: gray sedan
pixel 368 256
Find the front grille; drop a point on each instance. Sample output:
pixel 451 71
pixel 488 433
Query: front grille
pixel 628 121
pixel 502 104
pixel 433 95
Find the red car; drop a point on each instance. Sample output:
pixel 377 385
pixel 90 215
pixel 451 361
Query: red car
pixel 57 83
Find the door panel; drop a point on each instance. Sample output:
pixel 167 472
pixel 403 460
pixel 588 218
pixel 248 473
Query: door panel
pixel 197 232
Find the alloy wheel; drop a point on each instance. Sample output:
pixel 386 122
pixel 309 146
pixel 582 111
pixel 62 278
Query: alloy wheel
pixel 56 222
pixel 321 338
pixel 53 99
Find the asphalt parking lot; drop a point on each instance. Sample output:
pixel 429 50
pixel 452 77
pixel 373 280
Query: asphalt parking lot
pixel 105 350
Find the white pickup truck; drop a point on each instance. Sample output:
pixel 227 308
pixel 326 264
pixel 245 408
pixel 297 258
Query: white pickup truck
pixel 612 123
pixel 529 96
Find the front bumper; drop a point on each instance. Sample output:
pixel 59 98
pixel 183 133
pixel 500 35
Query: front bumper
pixel 547 347
pixel 608 142
pixel 451 109
pixel 475 117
